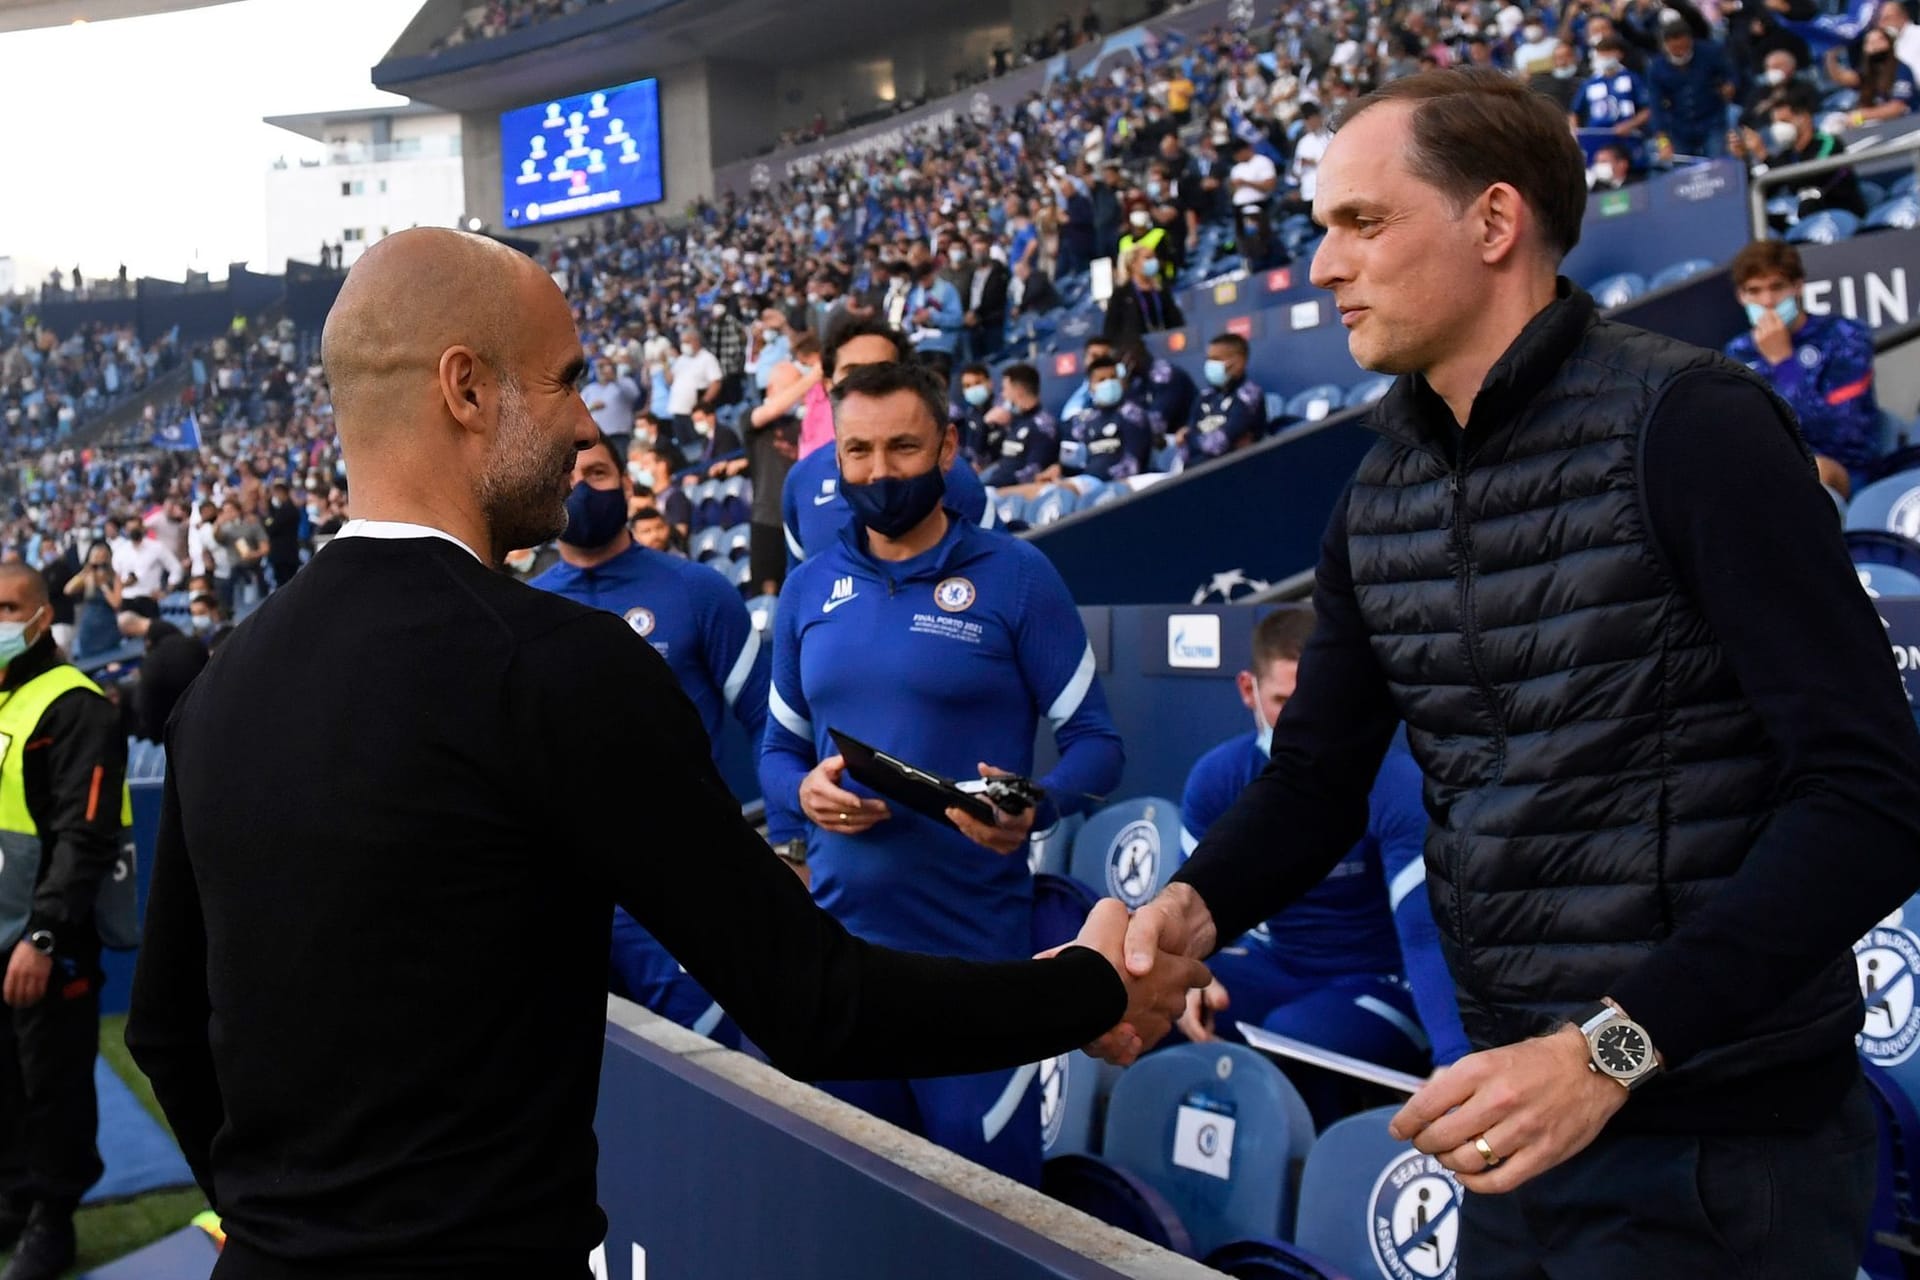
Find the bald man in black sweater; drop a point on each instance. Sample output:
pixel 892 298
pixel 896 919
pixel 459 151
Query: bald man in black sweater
pixel 372 990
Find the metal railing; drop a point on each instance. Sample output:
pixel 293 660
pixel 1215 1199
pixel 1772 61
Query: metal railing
pixel 1765 182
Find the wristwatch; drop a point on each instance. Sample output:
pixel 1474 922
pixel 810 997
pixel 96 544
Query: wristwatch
pixel 792 851
pixel 41 940
pixel 1617 1046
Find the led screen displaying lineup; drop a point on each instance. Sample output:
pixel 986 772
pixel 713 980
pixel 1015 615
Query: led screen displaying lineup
pixel 589 153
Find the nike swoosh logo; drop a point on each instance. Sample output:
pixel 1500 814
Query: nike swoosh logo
pixel 831 605
pixel 824 499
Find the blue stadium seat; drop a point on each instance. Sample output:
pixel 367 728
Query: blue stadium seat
pixel 1051 505
pixel 1060 907
pixel 1216 1129
pixel 1898 214
pixel 1270 1260
pixel 736 500
pixel 706 503
pixel 1618 291
pixel 761 610
pixel 1165 458
pixel 1870 547
pixel 1367 390
pixel 1129 850
pixel 1907 184
pixel 1010 507
pixel 1898 1179
pixel 1871 193
pixel 707 545
pixel 1098 493
pixel 1073 1087
pixel 1117 1198
pixel 1316 402
pixel 1829 226
pixel 1892 505
pixel 1375 1206
pixel 1840 100
pixel 1885 580
pixel 737 540
pixel 740 574
pixel 1050 850
pixel 1276 407
pixel 1678 272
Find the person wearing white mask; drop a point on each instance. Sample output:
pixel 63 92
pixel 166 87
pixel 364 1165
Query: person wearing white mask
pixel 1535 51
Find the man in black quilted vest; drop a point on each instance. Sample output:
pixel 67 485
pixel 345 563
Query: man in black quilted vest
pixel 1669 765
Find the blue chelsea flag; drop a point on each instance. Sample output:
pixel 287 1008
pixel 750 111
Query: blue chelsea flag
pixel 184 434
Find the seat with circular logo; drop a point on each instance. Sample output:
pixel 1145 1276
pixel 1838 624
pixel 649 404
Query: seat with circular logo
pixel 1051 505
pixel 760 610
pixel 1050 850
pixel 1887 958
pixel 1377 1207
pixel 1829 226
pixel 1618 290
pixel 1129 850
pixel 1315 403
pixel 1216 1129
pixel 1891 504
pixel 708 544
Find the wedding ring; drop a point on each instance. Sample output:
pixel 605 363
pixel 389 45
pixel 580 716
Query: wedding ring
pixel 1486 1153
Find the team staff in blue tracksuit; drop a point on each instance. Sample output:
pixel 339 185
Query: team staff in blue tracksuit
pixel 1110 439
pixel 812 512
pixel 1232 412
pixel 1821 365
pixel 1030 436
pixel 696 621
pixel 1355 965
pixel 944 645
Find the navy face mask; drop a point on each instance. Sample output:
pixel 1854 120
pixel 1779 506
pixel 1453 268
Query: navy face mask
pixel 594 516
pixel 895 505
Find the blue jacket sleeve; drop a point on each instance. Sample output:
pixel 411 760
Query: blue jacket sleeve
pixel 737 661
pixel 1398 822
pixel 1203 801
pixel 1834 400
pixel 1056 661
pixel 944 302
pixel 787 752
pixel 790 523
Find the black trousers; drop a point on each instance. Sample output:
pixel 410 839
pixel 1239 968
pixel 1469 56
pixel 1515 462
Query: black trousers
pixel 49 1115
pixel 1644 1207
pixel 767 553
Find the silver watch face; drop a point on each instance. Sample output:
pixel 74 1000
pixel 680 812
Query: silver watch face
pixel 1621 1050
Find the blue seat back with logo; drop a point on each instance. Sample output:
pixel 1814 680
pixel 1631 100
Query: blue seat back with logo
pixel 1218 1131
pixel 1073 1089
pixel 1316 402
pixel 1891 505
pixel 1878 547
pixel 1129 850
pixel 1377 1207
pixel 1050 851
pixel 1051 505
pixel 1887 959
pixel 1886 580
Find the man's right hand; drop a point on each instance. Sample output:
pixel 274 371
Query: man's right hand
pixel 1175 924
pixel 831 807
pixel 1196 1024
pixel 1154 998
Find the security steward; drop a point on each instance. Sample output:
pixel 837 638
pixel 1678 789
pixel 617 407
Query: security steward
pixel 63 808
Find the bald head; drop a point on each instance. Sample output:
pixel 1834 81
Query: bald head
pixel 413 297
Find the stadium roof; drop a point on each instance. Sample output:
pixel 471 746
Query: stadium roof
pixel 25 15
pixel 314 124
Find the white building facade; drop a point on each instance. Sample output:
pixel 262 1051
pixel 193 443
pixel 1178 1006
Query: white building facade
pixel 385 169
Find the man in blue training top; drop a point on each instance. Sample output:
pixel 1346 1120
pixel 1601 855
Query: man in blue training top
pixel 1030 436
pixel 967 409
pixel 1328 970
pixel 943 646
pixel 1821 365
pixel 1232 412
pixel 1613 99
pixel 812 511
pixel 696 620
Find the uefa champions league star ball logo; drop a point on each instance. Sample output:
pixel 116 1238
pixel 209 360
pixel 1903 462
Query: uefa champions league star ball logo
pixel 1887 960
pixel 1133 860
pixel 1053 1099
pixel 1414 1219
pixel 1225 588
pixel 641 620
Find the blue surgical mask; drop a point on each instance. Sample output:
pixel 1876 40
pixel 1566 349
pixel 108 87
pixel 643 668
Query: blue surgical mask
pixel 594 516
pixel 1107 394
pixel 642 476
pixel 895 505
pixel 203 622
pixel 978 394
pixel 1788 309
pixel 13 638
pixel 1216 373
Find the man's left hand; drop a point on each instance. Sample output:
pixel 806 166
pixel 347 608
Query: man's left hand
pixel 1006 835
pixel 27 975
pixel 1536 1104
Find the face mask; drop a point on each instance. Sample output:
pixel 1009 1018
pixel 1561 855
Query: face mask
pixel 1781 136
pixel 1216 372
pixel 1603 174
pixel 1605 66
pixel 594 516
pixel 13 638
pixel 958 257
pixel 1788 309
pixel 1153 191
pixel 1107 394
pixel 642 476
pixel 895 506
pixel 1140 219
pixel 203 622
pixel 977 394
pixel 702 427
pixel 1534 34
pixel 1776 76
pixel 1565 73
pixel 1263 731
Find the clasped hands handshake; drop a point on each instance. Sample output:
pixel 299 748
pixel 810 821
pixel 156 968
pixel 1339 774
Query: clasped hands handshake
pixel 1158 965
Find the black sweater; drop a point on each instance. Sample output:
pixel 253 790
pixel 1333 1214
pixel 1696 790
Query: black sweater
pixel 372 993
pixel 1737 517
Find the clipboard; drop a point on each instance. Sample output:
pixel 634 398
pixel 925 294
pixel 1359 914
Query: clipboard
pixel 920 790
pixel 1300 1051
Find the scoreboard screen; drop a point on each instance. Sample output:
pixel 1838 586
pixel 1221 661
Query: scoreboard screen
pixel 585 154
